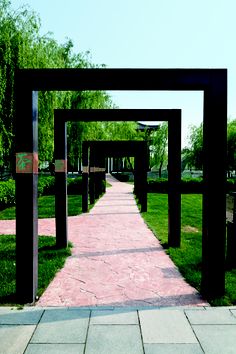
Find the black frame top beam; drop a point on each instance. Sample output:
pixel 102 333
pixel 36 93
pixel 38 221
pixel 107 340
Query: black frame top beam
pixel 113 115
pixel 120 79
pixel 119 148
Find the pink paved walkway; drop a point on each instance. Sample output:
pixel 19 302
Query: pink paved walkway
pixel 116 260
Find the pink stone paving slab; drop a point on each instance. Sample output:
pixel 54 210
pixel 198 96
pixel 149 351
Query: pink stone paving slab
pixel 116 260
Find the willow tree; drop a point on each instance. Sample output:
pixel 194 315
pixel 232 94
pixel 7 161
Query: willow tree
pixel 22 46
pixel 158 147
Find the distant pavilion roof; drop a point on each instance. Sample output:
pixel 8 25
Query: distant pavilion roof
pixel 148 126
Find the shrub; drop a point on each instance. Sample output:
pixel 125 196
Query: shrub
pixel 74 185
pixel 122 176
pixel 231 185
pixel 159 185
pixel 46 185
pixel 7 193
pixel 188 185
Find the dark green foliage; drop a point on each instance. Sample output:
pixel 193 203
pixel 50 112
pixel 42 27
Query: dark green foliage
pixel 123 176
pixel 158 148
pixel 231 185
pixel 46 185
pixel 188 185
pixel 192 156
pixel 159 185
pixel 74 185
pixel 46 204
pixel 192 185
pixel 50 261
pixel 231 146
pixel 7 194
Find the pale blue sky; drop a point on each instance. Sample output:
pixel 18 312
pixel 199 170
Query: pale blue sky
pixel 149 34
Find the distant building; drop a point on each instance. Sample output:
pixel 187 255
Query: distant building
pixel 149 127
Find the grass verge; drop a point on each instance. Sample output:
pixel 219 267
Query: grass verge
pixel 50 261
pixel 46 207
pixel 188 258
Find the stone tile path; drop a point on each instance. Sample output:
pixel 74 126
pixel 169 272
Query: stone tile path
pixel 116 260
pixel 196 330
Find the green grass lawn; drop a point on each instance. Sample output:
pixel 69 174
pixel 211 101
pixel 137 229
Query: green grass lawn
pixel 188 257
pixel 46 207
pixel 50 260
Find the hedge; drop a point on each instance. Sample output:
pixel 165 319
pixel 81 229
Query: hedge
pixel 188 185
pixel 7 193
pixel 46 186
pixel 74 185
pixel 123 176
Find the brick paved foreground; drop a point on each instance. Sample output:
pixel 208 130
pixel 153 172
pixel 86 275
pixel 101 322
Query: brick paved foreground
pixel 116 259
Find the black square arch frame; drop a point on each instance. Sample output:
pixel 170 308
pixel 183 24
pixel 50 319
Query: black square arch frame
pixel 117 148
pixel 94 161
pixel 213 83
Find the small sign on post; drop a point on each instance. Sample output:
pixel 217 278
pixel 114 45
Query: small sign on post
pixel 26 162
pixel 61 165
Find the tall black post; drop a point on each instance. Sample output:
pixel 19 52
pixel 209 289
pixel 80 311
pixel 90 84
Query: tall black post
pixel 135 175
pixel 214 197
pixel 85 177
pixel 104 175
pixel 97 188
pixel 60 153
pixel 143 168
pixel 26 193
pixel 91 176
pixel 174 180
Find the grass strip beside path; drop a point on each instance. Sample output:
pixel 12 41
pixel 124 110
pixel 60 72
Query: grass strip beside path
pixel 46 207
pixel 188 258
pixel 50 261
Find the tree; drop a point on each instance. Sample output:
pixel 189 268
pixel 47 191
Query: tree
pixel 22 46
pixel 193 155
pixel 231 147
pixel 159 147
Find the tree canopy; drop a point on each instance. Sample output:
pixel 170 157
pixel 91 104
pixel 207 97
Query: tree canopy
pixel 158 147
pixel 231 146
pixel 193 155
pixel 22 46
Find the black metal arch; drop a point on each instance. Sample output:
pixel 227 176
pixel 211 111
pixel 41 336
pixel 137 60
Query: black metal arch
pixel 213 82
pixel 95 164
pixel 172 116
